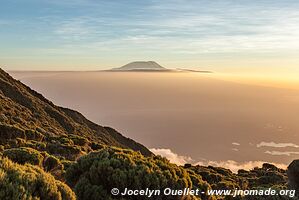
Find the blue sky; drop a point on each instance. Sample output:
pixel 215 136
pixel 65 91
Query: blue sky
pixel 219 35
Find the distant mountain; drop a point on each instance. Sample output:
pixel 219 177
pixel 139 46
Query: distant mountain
pixel 141 66
pixel 150 66
pixel 29 119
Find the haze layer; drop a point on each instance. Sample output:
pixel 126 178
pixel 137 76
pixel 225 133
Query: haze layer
pixel 192 114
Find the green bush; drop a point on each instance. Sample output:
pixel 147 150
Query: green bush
pixel 219 178
pixel 36 145
pixel 51 162
pixel 293 175
pixel 10 132
pixel 269 167
pixel 24 155
pixel 65 141
pixel 30 182
pixel 271 178
pixel 70 152
pixel 66 164
pixel 96 146
pixel 34 135
pixel 94 175
pixel 78 140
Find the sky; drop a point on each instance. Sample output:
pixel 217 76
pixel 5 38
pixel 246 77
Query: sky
pixel 244 36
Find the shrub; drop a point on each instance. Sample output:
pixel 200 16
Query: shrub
pixel 30 182
pixel 51 162
pixel 94 175
pixel 66 164
pixel 36 145
pixel 24 155
pixel 10 132
pixel 70 152
pixel 34 135
pixel 219 178
pixel 78 140
pixel 271 167
pixel 227 185
pixel 270 178
pixel 66 141
pixel 96 146
pixel 293 175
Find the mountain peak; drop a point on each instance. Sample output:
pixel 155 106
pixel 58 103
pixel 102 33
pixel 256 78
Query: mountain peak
pixel 141 66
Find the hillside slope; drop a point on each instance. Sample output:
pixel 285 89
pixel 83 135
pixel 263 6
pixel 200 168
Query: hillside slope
pixel 29 119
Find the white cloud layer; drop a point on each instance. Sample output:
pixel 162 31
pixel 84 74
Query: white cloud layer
pixel 276 145
pixel 282 153
pixel 234 166
pixel 173 157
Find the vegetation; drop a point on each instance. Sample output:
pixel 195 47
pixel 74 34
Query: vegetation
pixel 219 178
pixel 30 182
pixel 268 176
pixel 293 174
pixel 24 155
pixel 94 175
pixel 51 163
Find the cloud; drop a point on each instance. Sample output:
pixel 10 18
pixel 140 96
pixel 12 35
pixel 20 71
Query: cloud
pixel 171 30
pixel 198 32
pixel 235 166
pixel 282 153
pixel 276 145
pixel 74 29
pixel 173 157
